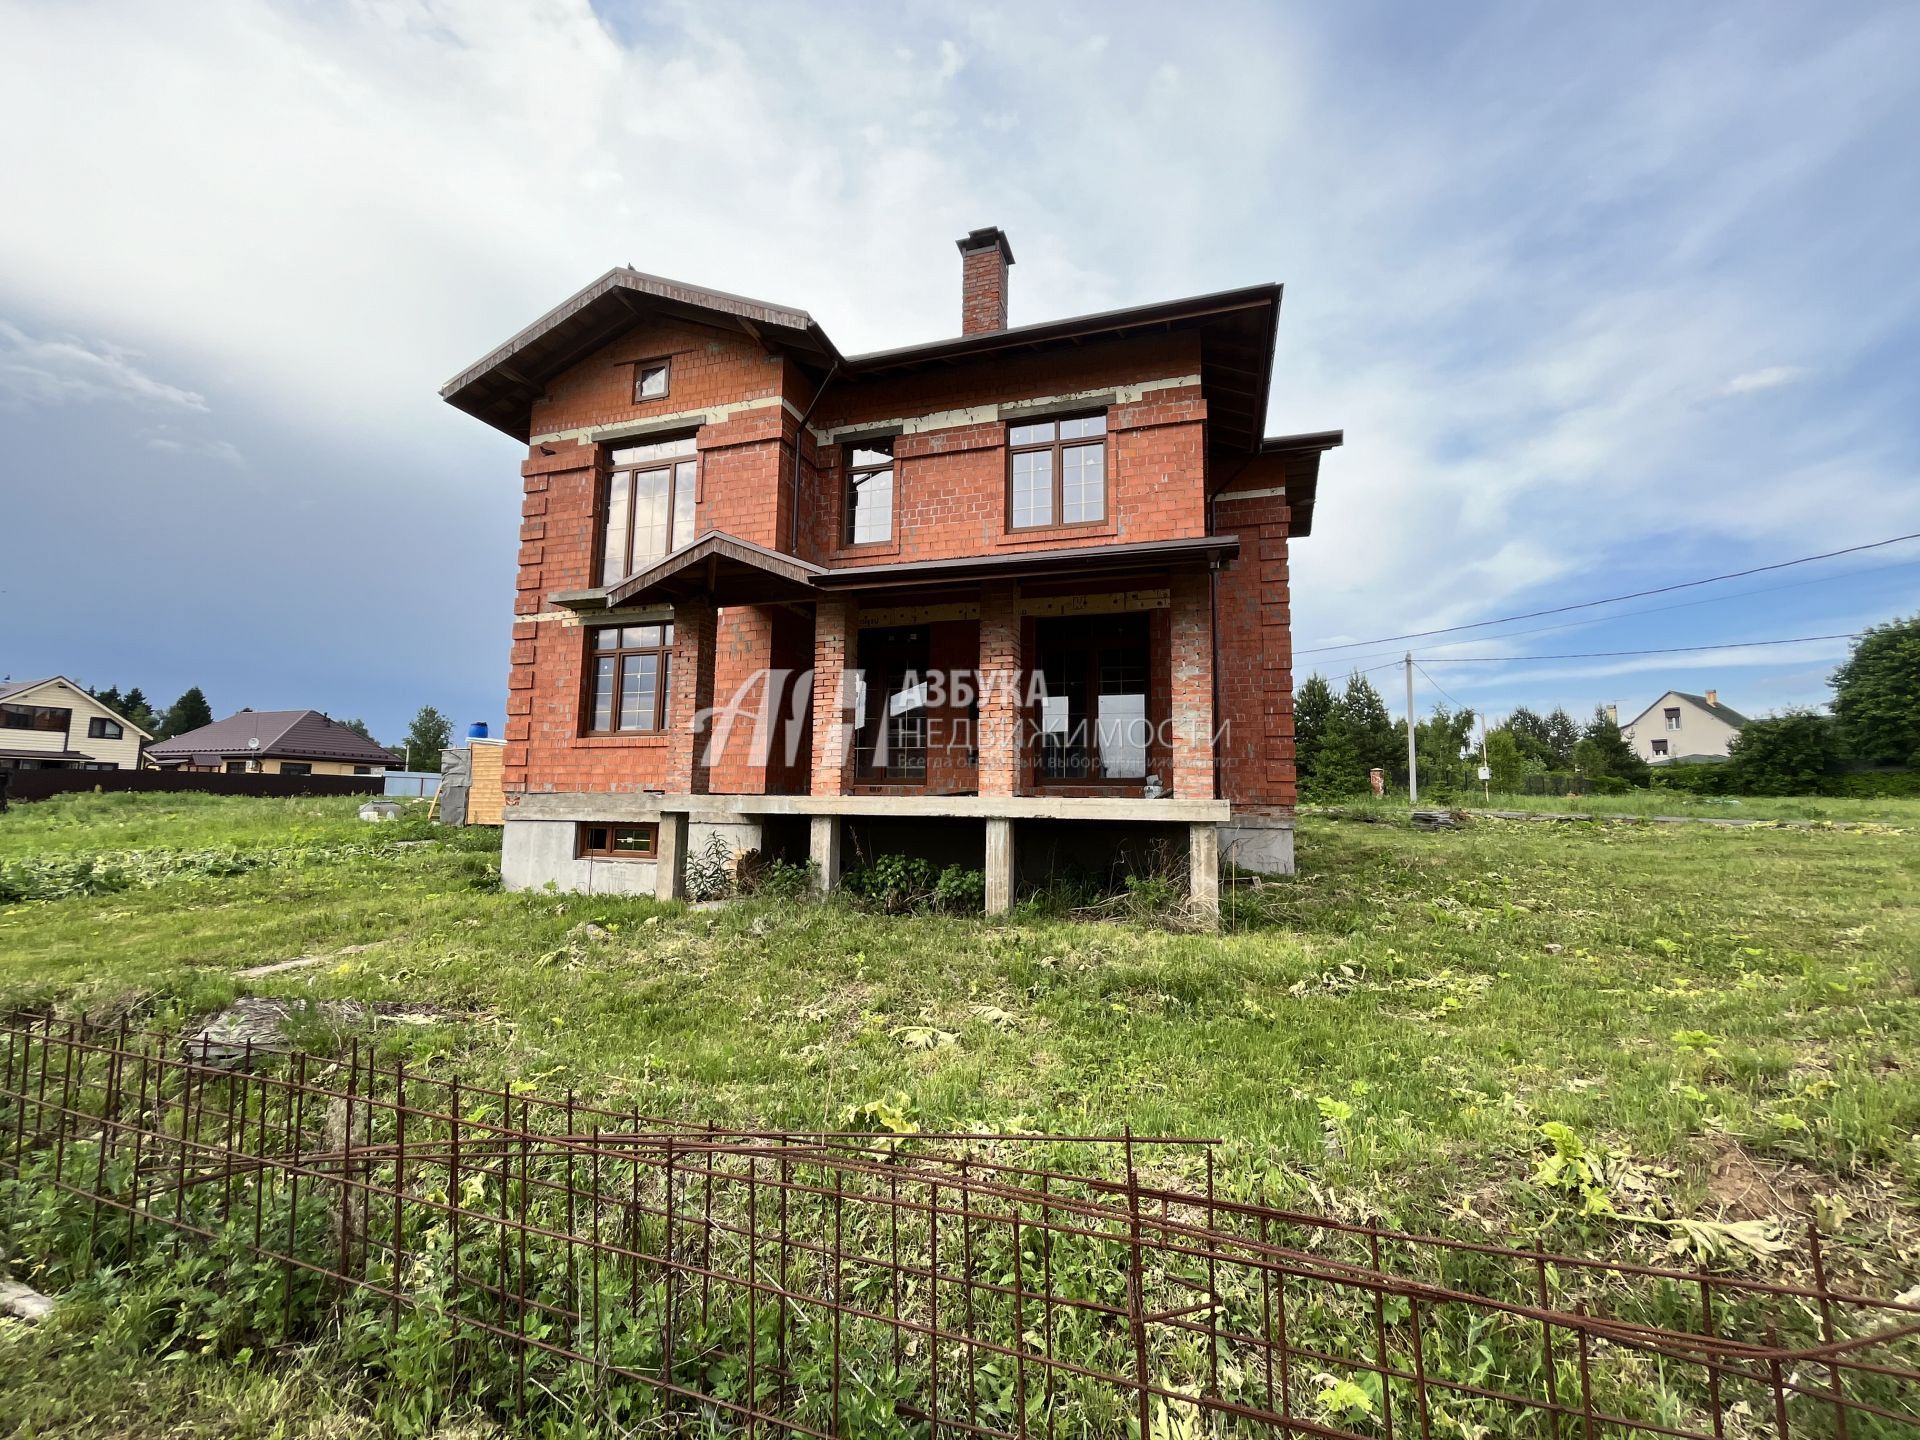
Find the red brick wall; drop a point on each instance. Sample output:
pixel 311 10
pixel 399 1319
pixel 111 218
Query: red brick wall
pixel 983 290
pixel 1256 647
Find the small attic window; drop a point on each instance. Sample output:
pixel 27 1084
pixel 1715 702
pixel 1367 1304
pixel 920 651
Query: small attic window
pixel 650 379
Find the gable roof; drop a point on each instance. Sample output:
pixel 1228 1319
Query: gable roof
pixel 1237 330
pixel 8 689
pixel 282 734
pixel 1720 712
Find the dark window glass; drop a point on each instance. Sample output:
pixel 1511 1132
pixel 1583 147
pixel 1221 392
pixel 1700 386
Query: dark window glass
pixel 631 678
pixel 1057 473
pixel 650 506
pixel 869 492
pixel 101 728
pixel 619 842
pixel 35 717
pixel 1093 723
pixel 295 767
pixel 890 703
pixel 650 379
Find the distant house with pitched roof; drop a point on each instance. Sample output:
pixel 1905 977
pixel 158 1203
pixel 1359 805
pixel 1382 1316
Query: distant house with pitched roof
pixel 274 742
pixel 1681 727
pixel 54 724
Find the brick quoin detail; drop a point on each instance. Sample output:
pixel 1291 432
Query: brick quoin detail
pixel 833 730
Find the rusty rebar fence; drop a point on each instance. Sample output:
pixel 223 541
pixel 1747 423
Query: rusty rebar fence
pixel 600 1265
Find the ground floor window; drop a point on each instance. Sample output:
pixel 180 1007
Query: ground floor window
pixel 631 678
pixel 295 767
pixel 618 842
pixel 890 701
pixel 1092 723
pixel 236 767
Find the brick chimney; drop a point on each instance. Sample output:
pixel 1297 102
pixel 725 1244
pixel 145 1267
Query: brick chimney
pixel 1713 697
pixel 984 258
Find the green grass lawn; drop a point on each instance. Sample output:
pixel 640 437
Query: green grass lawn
pixel 1384 1034
pixel 1900 811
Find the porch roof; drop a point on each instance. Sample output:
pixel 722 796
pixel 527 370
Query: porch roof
pixel 1103 560
pixel 730 570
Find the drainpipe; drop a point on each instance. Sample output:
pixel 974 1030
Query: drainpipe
pixel 799 442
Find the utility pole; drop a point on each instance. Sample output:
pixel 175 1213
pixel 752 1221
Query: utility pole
pixel 1486 773
pixel 1413 763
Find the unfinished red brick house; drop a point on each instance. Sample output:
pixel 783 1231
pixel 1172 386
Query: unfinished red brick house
pixel 1018 597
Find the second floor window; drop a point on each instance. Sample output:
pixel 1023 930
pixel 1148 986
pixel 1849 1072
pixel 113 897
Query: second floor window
pixel 1058 473
pixel 34 717
pixel 632 670
pixel 101 728
pixel 1673 719
pixel 869 493
pixel 649 506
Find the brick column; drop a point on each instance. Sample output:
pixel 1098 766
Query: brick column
pixel 1192 663
pixel 1002 690
pixel 694 636
pixel 834 644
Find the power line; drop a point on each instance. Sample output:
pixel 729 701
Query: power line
pixel 1613 599
pixel 1437 685
pixel 1615 654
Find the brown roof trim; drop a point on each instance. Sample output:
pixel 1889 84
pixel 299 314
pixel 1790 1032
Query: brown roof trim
pixel 1072 560
pixel 723 565
pixel 1301 455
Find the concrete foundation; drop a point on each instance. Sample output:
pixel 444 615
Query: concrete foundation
pixel 535 854
pixel 1203 871
pixel 999 866
pixel 823 850
pixel 1259 844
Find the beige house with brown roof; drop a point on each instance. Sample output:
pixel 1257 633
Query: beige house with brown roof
pixel 54 724
pixel 274 742
pixel 1679 726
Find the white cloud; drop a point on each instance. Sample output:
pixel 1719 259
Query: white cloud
pixel 61 370
pixel 1771 378
pixel 224 452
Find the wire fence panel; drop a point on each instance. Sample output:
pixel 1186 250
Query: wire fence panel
pixel 580 1262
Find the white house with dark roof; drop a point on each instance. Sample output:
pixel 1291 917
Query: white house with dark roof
pixel 274 742
pixel 54 724
pixel 1679 726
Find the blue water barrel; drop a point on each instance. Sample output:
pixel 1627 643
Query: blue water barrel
pixel 477 730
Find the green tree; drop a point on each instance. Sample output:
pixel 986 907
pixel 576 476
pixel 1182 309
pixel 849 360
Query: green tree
pixel 1562 735
pixel 430 733
pixel 1362 715
pixel 1312 711
pixel 1789 754
pixel 1506 760
pixel 1339 769
pixel 137 708
pixel 189 712
pixel 1876 694
pixel 111 698
pixel 1532 734
pixel 1602 752
pixel 359 727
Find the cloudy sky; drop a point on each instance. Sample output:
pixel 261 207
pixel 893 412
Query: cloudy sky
pixel 1605 298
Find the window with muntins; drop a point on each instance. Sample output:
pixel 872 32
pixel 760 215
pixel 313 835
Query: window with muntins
pixel 618 842
pixel 649 509
pixel 1057 473
pixel 869 493
pixel 101 728
pixel 632 672
pixel 1673 719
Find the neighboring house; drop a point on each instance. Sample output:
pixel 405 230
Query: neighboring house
pixel 1026 584
pixel 274 742
pixel 1679 726
pixel 54 724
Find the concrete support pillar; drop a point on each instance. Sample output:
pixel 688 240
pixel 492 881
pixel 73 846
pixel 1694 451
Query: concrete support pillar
pixel 690 706
pixel 999 866
pixel 670 859
pixel 1001 740
pixel 835 646
pixel 824 850
pixel 1192 660
pixel 1203 880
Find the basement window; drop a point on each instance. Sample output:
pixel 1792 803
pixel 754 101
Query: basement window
pixel 651 379
pixel 618 842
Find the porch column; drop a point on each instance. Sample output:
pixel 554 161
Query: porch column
pixel 1203 875
pixel 824 851
pixel 670 859
pixel 1192 661
pixel 1000 742
pixel 690 706
pixel 999 866
pixel 834 644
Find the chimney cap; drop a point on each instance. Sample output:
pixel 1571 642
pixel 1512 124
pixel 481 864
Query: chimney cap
pixel 981 239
